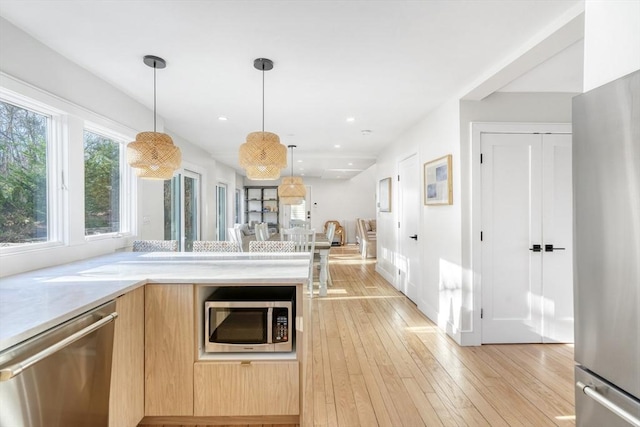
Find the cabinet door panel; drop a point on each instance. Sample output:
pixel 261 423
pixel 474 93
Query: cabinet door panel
pixel 126 402
pixel 169 350
pixel 256 388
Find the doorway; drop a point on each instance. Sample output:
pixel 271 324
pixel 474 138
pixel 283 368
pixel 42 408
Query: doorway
pixel 182 195
pixel 221 217
pixel 526 237
pixel 409 211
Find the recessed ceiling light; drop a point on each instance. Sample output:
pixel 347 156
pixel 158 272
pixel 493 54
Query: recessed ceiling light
pixel 351 119
pixel 301 174
pixel 350 164
pixel 337 146
pixel 299 161
pixel 222 118
pixel 338 176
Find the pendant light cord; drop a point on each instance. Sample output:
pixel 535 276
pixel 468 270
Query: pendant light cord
pixel 263 100
pixel 292 147
pixel 154 95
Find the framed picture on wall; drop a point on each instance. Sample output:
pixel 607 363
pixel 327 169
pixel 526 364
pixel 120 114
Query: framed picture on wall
pixel 438 189
pixel 384 195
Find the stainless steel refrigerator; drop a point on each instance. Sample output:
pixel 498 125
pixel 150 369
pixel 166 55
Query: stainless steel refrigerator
pixel 606 179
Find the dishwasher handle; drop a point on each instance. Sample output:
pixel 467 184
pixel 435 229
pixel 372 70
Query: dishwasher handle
pixel 16 369
pixel 592 393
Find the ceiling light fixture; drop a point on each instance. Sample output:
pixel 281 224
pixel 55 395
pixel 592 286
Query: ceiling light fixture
pixel 292 190
pixel 152 154
pixel 262 156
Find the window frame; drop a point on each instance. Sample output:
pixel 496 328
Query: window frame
pixel 127 185
pixel 66 163
pixel 56 151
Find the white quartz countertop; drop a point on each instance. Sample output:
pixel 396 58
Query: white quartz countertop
pixel 33 302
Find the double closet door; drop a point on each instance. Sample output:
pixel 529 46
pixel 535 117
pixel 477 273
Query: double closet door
pixel 527 272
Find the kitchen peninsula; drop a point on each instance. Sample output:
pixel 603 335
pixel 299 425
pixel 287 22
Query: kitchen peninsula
pixel 159 370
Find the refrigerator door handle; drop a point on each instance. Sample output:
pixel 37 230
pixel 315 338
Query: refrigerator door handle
pixel 593 394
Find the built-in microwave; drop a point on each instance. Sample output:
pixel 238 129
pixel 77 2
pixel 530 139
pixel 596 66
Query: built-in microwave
pixel 249 319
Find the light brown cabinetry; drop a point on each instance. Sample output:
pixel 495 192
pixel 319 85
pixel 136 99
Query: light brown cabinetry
pixel 126 402
pixel 246 388
pixel 169 350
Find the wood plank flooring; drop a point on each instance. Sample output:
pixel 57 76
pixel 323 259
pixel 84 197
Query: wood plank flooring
pixel 374 360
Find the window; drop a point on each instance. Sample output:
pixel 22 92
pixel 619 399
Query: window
pixel 24 171
pixel 298 211
pixel 102 187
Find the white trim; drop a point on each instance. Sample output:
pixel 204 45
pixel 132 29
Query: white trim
pixel 39 98
pixel 128 189
pixel 474 335
pixel 386 275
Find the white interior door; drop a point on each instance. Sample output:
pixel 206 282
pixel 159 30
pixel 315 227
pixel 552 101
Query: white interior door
pixel 409 205
pixel 527 283
pixel 511 225
pixel 557 230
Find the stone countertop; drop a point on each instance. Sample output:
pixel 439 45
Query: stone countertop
pixel 31 303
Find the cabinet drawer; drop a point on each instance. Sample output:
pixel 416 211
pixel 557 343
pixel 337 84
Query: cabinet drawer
pixel 255 388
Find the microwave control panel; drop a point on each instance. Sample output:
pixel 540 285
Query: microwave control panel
pixel 280 325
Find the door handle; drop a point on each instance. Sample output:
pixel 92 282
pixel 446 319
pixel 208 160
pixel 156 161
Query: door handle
pixel 536 248
pixel 414 237
pixel 550 248
pixel 591 391
pixel 16 369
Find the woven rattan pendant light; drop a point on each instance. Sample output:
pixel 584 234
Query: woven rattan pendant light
pixel 292 190
pixel 152 154
pixel 262 156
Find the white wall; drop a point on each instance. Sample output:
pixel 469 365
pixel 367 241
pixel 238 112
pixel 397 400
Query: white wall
pixel 341 200
pixel 433 137
pixel 31 69
pixel 612 40
pixel 498 107
pixel 446 293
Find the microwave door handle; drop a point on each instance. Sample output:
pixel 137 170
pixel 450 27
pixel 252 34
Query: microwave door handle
pixel 270 325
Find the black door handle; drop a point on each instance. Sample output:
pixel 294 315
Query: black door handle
pixel 550 248
pixel 536 248
pixel 414 237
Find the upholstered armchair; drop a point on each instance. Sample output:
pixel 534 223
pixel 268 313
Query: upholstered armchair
pixel 367 237
pixel 338 234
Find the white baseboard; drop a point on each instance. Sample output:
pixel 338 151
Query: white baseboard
pixel 386 275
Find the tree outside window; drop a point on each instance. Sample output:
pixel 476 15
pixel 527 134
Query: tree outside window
pixel 101 184
pixel 23 176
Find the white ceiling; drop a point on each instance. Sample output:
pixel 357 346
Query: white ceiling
pixel 384 63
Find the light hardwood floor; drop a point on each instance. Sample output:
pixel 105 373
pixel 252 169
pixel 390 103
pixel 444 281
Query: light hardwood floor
pixel 375 360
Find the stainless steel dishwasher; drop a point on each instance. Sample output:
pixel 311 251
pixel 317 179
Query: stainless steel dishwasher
pixel 60 378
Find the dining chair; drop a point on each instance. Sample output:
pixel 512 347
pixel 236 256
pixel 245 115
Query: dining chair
pixel 339 231
pixel 216 246
pixel 305 241
pixel 299 223
pixel 271 246
pixel 262 231
pixel 155 246
pixel 235 235
pixel 330 231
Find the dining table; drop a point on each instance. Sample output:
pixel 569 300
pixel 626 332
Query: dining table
pixel 322 248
